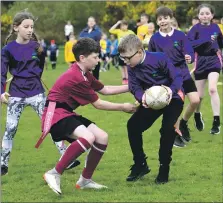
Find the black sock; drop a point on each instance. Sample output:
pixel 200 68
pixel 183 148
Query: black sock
pixel 183 121
pixel 197 114
pixel 217 119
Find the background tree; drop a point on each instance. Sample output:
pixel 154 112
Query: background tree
pixel 52 16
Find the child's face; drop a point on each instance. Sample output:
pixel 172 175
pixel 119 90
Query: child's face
pixel 72 37
pixel 112 37
pixel 143 20
pixel 205 16
pixel 151 28
pixel 104 37
pixel 91 22
pixel 91 61
pixel 25 29
pixel 164 22
pixel 124 27
pixel 132 58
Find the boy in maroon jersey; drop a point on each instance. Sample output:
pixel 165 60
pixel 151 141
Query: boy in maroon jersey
pixel 77 86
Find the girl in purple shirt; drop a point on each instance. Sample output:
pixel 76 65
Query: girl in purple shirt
pixel 206 39
pixel 24 59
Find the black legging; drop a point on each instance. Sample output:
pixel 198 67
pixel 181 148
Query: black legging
pixel 143 119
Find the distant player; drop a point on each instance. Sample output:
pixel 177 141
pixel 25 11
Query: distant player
pixel 122 32
pixel 68 54
pixel 206 39
pixel 142 30
pixel 53 53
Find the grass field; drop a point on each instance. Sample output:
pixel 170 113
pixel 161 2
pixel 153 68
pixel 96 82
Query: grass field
pixel 195 176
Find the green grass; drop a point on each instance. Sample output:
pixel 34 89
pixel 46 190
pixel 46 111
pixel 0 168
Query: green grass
pixel 196 171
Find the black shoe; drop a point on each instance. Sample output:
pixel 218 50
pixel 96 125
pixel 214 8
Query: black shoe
pixel 138 171
pixel 215 128
pixel 4 170
pixel 73 164
pixel 199 122
pixel 178 142
pixel 185 131
pixel 163 175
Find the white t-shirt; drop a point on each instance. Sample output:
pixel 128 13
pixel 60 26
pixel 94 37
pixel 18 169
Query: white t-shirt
pixel 68 29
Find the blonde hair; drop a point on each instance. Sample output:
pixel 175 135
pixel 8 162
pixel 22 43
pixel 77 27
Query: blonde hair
pixel 130 43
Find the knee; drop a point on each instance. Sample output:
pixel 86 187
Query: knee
pixel 89 137
pixel 103 138
pixel 167 129
pixel 212 91
pixel 195 102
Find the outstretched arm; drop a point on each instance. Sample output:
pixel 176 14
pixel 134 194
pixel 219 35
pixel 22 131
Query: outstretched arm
pixel 111 90
pixel 110 106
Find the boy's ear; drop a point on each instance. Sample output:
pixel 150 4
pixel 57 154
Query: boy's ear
pixel 82 58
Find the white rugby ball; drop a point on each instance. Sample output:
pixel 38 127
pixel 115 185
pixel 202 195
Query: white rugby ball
pixel 157 97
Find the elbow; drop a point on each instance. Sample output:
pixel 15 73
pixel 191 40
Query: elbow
pixel 97 104
pixel 104 91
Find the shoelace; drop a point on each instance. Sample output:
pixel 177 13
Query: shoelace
pixel 57 180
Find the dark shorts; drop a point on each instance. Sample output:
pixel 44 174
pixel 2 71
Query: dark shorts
pixel 204 75
pixel 65 127
pixel 53 57
pixel 189 86
pixel 103 56
pixel 121 62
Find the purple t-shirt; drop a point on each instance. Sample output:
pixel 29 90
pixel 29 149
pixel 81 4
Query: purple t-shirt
pixel 156 69
pixel 25 65
pixel 176 47
pixel 200 37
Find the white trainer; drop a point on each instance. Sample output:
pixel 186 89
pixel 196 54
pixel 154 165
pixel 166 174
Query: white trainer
pixel 84 183
pixel 52 178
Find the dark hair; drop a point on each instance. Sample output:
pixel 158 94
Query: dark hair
pixel 206 6
pixel 145 15
pixel 124 22
pixel 164 11
pixel 85 46
pixel 17 20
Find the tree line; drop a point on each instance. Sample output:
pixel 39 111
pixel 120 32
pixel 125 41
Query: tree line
pixel 52 16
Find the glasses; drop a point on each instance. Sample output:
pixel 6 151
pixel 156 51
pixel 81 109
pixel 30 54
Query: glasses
pixel 127 58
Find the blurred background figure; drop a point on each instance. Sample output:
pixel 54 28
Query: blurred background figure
pixel 68 28
pixel 68 53
pixel 53 53
pixel 175 24
pixel 120 33
pixel 92 31
pixel 114 51
pixel 221 25
pixel 44 46
pixel 104 44
pixel 143 27
pixel 151 29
